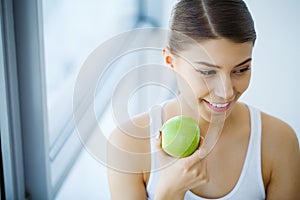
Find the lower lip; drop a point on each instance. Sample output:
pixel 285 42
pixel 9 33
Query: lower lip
pixel 216 109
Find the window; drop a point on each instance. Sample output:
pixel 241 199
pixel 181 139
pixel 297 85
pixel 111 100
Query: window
pixel 44 45
pixel 72 30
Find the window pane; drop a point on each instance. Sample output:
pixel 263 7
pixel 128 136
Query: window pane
pixel 72 30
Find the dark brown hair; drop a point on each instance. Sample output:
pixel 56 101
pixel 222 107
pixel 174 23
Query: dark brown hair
pixel 211 19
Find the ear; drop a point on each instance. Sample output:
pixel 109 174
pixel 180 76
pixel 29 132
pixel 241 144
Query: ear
pixel 168 57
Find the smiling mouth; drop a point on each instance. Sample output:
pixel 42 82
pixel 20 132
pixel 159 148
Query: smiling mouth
pixel 218 107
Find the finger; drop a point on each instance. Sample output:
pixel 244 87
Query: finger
pixel 203 176
pixel 201 140
pixel 193 159
pixel 164 158
pixel 202 152
pixel 158 141
pixel 204 171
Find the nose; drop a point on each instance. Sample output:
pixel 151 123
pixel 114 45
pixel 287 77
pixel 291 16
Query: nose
pixel 224 88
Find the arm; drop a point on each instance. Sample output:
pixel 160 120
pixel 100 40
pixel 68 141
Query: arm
pixel 126 186
pixel 125 167
pixel 282 149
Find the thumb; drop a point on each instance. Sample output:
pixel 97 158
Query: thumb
pixel 199 154
pixel 194 158
pixel 202 153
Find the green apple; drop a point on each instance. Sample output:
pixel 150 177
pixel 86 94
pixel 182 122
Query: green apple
pixel 180 136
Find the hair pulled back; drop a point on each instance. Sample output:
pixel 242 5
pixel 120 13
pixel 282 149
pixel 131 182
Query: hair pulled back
pixel 210 19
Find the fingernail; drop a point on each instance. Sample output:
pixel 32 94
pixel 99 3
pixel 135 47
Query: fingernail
pixel 158 135
pixel 202 153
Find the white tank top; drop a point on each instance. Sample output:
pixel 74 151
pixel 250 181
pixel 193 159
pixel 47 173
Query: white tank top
pixel 250 183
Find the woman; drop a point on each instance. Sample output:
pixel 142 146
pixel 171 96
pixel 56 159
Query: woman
pixel 256 156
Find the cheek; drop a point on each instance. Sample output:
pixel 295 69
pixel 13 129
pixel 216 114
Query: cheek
pixel 190 82
pixel 201 86
pixel 193 85
pixel 242 83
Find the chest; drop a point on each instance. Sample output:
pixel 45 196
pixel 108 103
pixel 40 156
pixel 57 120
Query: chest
pixel 224 166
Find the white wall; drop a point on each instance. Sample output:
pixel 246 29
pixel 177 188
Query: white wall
pixel 276 71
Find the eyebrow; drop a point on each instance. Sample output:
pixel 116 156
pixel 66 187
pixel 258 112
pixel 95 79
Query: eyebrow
pixel 212 65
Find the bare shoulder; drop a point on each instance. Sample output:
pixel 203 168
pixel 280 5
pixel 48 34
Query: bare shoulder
pixel 132 133
pixel 128 144
pixel 280 159
pixel 278 134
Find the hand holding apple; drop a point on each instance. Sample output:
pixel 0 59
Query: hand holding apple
pixel 190 172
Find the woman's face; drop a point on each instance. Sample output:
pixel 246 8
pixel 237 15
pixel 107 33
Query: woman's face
pixel 212 75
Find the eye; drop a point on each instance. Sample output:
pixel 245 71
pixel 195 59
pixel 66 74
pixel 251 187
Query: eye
pixel 207 72
pixel 242 70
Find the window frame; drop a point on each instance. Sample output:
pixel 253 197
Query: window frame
pixel 10 124
pixel 28 33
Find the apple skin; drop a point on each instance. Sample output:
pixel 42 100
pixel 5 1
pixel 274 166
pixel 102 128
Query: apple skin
pixel 180 136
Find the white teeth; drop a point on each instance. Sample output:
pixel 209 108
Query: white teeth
pixel 219 105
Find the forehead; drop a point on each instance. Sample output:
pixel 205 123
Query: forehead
pixel 220 52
